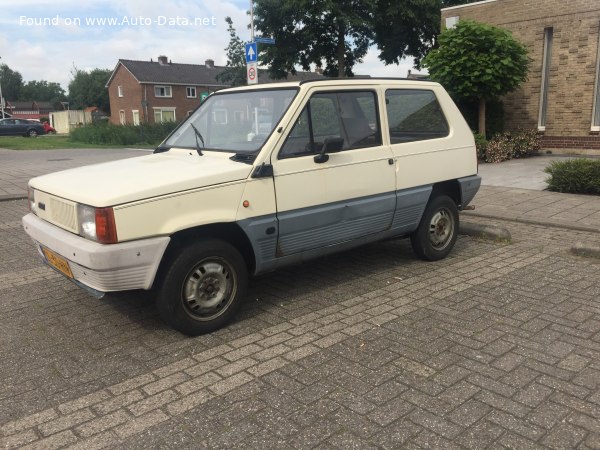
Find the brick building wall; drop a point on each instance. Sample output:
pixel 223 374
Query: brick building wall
pixel 131 100
pixel 573 66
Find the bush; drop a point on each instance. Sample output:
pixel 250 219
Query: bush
pixel 505 146
pixel 575 176
pixel 480 144
pixel 106 133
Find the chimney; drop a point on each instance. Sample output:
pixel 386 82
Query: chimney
pixel 319 70
pixel 162 60
pixel 209 63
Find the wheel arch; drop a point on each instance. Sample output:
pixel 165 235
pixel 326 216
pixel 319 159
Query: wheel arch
pixel 450 188
pixel 226 231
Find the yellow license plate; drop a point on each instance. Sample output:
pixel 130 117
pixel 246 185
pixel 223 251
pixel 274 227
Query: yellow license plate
pixel 58 262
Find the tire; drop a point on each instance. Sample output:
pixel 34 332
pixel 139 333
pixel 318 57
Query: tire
pixel 435 237
pixel 32 133
pixel 202 287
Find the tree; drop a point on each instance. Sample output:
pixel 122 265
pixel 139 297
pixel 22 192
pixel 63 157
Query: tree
pixel 235 74
pixel 43 91
pixel 89 89
pixel 478 62
pixel 337 34
pixel 12 83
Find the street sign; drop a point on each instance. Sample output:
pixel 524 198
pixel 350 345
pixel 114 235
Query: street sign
pixel 252 73
pixel 251 52
pixel 203 96
pixel 264 40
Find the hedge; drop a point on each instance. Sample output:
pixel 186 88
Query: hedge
pixel 574 176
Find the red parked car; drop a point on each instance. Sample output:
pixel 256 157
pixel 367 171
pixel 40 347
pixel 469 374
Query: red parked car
pixel 49 129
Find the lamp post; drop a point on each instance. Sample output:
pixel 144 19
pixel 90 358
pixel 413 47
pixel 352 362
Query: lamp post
pixel 1 97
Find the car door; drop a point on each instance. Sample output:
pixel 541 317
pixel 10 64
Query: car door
pixel 6 127
pixel 352 193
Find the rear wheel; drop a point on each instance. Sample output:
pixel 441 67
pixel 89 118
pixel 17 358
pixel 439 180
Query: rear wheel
pixel 32 133
pixel 203 287
pixel 437 232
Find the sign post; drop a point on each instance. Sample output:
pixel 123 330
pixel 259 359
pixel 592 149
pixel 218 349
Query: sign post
pixel 251 63
pixel 252 73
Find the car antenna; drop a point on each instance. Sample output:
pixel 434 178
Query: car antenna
pixel 198 135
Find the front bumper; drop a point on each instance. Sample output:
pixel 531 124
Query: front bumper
pixel 104 268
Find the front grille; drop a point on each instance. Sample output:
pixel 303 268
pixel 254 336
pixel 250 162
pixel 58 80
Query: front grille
pixel 62 213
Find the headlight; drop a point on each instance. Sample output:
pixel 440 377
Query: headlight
pixel 31 199
pixel 97 224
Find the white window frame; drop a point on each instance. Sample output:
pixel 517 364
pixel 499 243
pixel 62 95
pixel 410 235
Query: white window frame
pixel 122 119
pixel 595 127
pixel 120 91
pixel 161 109
pixel 134 113
pixel 546 63
pixel 187 91
pixel 166 88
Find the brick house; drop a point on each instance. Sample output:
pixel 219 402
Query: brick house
pixel 159 91
pixel 561 98
pixel 148 91
pixel 28 110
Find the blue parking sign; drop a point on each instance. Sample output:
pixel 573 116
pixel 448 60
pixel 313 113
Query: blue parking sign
pixel 251 52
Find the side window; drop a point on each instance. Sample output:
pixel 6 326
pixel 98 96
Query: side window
pixel 414 115
pixel 351 116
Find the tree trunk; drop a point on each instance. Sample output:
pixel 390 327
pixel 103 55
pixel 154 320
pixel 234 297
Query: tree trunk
pixel 341 51
pixel 482 116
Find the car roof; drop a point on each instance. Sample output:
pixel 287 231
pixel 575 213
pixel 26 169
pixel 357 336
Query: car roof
pixel 355 81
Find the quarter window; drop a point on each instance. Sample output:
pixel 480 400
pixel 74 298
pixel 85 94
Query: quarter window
pixel 162 91
pixel 414 115
pixel 351 116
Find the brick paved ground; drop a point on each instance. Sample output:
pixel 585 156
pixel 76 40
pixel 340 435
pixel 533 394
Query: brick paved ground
pixel 496 346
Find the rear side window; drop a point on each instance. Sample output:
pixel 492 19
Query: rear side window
pixel 414 115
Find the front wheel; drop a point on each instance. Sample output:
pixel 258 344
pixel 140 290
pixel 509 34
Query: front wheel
pixel 203 287
pixel 32 133
pixel 437 232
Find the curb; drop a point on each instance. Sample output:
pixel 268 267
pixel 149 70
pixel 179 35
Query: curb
pixel 581 249
pixel 7 198
pixel 534 222
pixel 485 231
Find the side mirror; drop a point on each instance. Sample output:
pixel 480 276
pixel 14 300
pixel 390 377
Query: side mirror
pixel 330 145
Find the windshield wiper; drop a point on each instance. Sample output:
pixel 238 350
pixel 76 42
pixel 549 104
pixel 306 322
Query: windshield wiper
pixel 198 135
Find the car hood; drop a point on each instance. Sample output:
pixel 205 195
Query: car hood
pixel 128 180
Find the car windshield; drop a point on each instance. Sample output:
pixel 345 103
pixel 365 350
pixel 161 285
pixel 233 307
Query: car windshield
pixel 238 122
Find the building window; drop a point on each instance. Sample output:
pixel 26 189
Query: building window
pixel 136 116
pixel 451 22
pixel 164 115
pixel 546 62
pixel 190 92
pixel 162 91
pixel 596 107
pixel 120 91
pixel 189 113
pixel 122 117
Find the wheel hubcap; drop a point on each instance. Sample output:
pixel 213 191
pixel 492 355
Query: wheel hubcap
pixel 441 229
pixel 208 289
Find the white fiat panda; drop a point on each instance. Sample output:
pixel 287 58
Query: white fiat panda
pixel 255 179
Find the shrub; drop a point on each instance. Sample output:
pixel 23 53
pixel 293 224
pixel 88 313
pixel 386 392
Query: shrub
pixel 105 133
pixel 505 146
pixel 575 176
pixel 480 144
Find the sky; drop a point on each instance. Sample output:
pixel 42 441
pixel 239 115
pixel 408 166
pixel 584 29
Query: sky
pixel 45 40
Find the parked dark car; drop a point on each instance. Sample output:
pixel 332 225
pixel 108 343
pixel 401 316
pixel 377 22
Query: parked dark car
pixel 20 127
